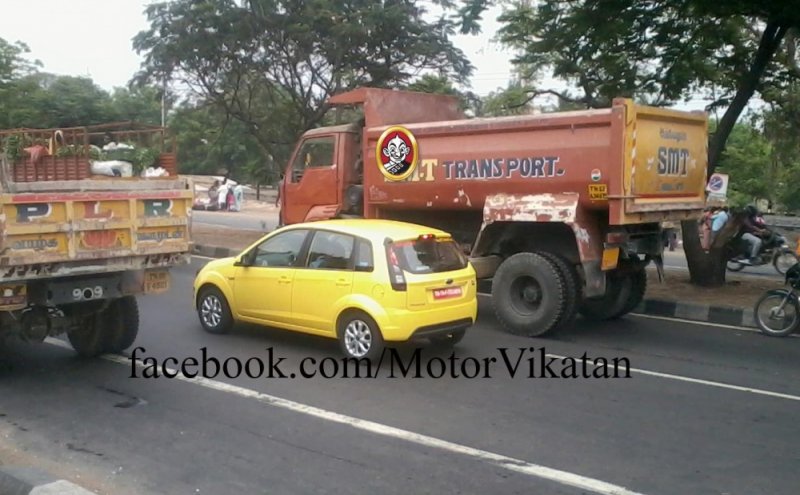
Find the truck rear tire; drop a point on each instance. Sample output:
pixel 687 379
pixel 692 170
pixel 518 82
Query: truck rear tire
pixel 638 288
pixel 572 287
pixel 528 295
pixel 90 340
pixel 123 320
pixel 623 294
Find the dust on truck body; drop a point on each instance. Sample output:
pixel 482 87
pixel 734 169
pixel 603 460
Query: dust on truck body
pixel 80 243
pixel 561 211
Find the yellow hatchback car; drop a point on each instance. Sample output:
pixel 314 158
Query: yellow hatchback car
pixel 363 282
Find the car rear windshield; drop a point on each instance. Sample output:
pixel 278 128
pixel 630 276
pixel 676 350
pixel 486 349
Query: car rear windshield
pixel 429 256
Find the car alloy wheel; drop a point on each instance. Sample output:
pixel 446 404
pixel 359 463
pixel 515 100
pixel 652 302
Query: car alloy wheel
pixel 211 311
pixel 357 338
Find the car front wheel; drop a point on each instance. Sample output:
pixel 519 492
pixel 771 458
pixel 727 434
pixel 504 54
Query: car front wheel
pixel 359 336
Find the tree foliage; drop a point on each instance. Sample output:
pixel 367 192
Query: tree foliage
pixel 657 51
pixel 271 64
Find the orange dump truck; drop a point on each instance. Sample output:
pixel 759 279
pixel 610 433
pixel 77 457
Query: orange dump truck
pixel 84 233
pixel 561 211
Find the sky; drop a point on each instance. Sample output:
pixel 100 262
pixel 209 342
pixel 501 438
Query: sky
pixel 94 38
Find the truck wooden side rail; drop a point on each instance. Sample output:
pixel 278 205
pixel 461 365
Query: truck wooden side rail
pixel 75 253
pixel 560 211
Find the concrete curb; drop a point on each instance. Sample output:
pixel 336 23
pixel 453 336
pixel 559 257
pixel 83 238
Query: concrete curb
pixel 18 480
pixel 722 315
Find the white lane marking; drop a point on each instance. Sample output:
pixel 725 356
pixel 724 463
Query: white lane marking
pixel 709 383
pixel 509 463
pixel 703 323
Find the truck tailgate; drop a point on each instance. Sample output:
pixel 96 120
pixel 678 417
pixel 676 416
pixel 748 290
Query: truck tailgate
pixel 665 159
pixel 73 226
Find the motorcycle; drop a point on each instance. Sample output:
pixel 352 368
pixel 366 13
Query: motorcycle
pixel 777 312
pixel 774 250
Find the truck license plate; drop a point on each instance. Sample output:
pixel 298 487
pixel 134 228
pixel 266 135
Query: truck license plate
pixel 156 282
pixel 447 293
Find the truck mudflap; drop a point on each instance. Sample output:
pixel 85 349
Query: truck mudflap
pixel 544 208
pixel 562 207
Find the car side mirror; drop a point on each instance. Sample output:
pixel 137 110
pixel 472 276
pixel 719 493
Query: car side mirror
pixel 363 268
pixel 242 261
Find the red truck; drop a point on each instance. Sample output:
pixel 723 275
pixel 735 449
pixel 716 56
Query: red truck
pixel 562 212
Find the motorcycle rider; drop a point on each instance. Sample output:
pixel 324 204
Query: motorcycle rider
pixel 753 234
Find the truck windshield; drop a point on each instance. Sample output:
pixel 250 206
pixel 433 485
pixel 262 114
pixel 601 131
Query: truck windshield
pixel 429 256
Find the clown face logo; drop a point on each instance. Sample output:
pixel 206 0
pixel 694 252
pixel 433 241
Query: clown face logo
pixel 397 153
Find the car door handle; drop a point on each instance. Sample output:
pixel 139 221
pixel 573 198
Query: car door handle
pixel 342 282
pixel 284 280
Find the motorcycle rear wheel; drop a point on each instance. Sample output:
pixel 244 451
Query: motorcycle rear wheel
pixel 777 314
pixel 784 260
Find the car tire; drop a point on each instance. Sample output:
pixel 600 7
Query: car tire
pixel 450 339
pixel 359 336
pixel 122 316
pixel 213 311
pixel 528 295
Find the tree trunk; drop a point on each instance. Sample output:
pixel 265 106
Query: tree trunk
pixel 705 269
pixel 770 41
pixel 258 191
pixel 708 269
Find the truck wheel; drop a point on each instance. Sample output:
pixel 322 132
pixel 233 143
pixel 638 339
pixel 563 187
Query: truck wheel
pixel 90 340
pixel 638 288
pixel 573 289
pixel 123 319
pixel 528 295
pixel 611 305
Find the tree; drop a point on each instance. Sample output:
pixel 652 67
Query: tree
pixel 271 64
pixel 658 52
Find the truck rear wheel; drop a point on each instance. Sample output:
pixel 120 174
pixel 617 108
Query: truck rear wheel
pixel 90 340
pixel 528 294
pixel 638 288
pixel 123 322
pixel 572 287
pixel 623 294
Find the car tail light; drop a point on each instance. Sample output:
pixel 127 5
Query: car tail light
pixel 427 237
pixel 396 276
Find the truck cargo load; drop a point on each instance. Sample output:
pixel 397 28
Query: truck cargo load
pixel 92 217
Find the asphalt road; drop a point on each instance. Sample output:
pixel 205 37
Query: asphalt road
pixel 706 410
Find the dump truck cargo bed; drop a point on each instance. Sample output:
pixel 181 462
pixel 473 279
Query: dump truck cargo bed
pixel 640 163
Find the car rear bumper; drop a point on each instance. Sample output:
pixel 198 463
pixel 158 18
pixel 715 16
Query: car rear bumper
pixel 442 328
pixel 406 325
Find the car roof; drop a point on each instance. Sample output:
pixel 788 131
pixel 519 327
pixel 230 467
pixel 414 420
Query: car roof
pixel 373 229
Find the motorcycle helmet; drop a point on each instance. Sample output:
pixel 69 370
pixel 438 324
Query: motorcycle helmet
pixel 750 210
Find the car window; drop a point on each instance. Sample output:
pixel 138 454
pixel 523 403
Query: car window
pixel 430 256
pixel 281 250
pixel 330 251
pixel 364 255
